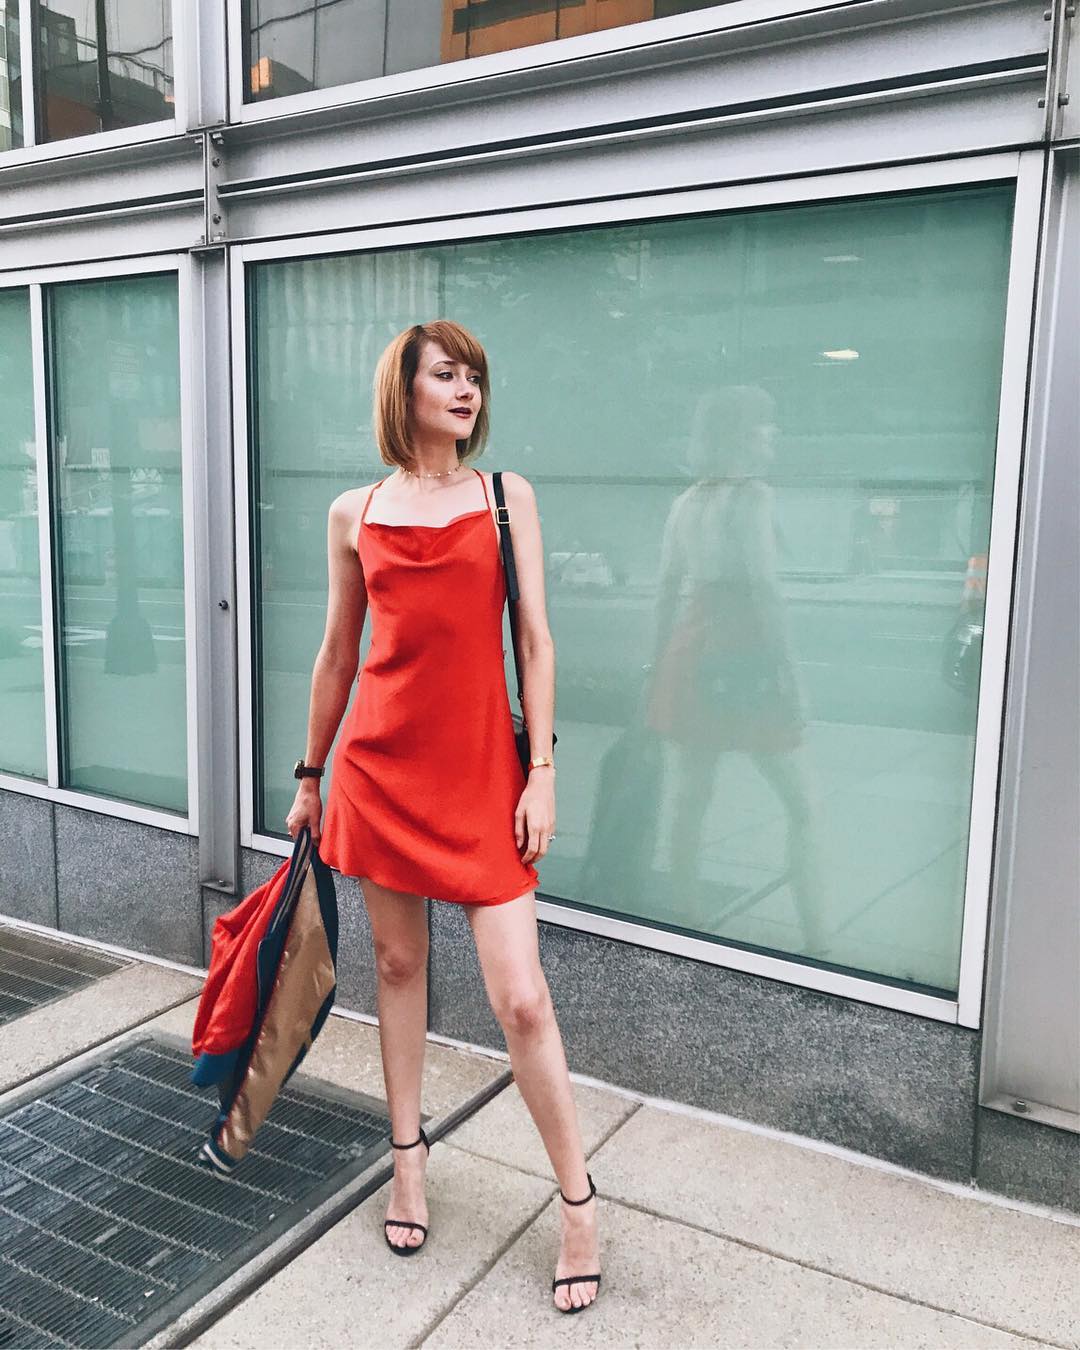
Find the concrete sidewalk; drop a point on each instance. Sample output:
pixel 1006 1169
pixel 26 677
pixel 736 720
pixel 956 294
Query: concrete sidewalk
pixel 712 1234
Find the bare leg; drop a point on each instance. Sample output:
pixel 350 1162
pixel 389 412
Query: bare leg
pixel 787 774
pixel 400 930
pixel 509 952
pixel 695 782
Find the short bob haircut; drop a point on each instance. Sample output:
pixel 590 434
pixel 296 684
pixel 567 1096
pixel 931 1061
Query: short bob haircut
pixel 394 377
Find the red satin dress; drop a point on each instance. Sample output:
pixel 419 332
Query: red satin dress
pixel 425 776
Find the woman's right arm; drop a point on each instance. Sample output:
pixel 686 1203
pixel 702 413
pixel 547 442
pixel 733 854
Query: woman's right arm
pixel 339 655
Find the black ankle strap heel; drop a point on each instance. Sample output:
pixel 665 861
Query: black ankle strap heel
pixel 422 1140
pixel 592 1192
pixel 578 1279
pixel 405 1223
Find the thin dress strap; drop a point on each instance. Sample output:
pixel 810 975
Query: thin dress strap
pixel 371 494
pixel 483 484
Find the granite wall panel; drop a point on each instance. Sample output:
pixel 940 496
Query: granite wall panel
pixel 127 883
pixel 1028 1160
pixel 27 859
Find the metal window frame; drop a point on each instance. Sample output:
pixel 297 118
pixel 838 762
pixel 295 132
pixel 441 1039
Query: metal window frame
pixel 1024 169
pixel 557 51
pixel 32 149
pixel 51 790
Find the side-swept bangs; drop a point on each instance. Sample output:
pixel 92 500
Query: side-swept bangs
pixel 394 377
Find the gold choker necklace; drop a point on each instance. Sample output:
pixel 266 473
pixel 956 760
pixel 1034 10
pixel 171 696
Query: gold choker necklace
pixel 444 474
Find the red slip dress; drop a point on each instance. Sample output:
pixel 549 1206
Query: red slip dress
pixel 425 776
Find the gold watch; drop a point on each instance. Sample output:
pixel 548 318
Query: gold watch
pixel 539 761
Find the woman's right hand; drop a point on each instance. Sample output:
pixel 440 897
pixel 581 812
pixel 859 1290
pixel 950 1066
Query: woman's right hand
pixel 306 810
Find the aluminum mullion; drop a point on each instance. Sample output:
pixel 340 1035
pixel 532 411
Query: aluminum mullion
pixel 45 535
pixel 185 64
pixel 70 147
pixel 1016 355
pixel 236 79
pixel 89 801
pixel 241 498
pixel 204 279
pixel 188 356
pixel 91 271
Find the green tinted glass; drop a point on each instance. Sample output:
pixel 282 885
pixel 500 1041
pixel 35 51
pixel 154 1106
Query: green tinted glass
pixel 119 538
pixel 763 448
pixel 22 686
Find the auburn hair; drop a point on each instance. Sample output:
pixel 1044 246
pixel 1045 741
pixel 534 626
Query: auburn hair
pixel 394 377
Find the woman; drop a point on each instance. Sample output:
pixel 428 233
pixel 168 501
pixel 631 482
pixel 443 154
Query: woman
pixel 428 797
pixel 727 676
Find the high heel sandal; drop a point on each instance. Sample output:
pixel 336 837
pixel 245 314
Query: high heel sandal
pixel 578 1279
pixel 406 1250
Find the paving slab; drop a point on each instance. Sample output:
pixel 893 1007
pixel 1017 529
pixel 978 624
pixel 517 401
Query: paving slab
pixel 346 1053
pixel 666 1285
pixel 46 1036
pixel 349 1290
pixel 1014 1270
pixel 504 1131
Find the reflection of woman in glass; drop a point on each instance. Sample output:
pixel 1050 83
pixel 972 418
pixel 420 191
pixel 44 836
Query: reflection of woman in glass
pixel 428 796
pixel 725 676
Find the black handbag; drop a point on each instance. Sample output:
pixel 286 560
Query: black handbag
pixel 502 516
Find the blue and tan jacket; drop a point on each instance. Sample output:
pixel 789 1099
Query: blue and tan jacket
pixel 269 989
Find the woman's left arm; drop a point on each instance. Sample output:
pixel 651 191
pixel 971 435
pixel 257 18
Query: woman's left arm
pixel 534 819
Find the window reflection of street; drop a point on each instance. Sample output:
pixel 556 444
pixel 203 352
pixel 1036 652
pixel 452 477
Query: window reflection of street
pixel 103 67
pixel 318 44
pixel 724 675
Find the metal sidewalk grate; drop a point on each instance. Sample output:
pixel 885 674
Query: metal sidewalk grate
pixel 108 1227
pixel 36 970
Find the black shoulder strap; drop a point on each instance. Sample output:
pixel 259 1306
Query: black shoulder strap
pixel 502 516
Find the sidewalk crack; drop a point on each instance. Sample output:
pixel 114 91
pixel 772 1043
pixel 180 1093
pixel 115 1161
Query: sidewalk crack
pixel 839 1275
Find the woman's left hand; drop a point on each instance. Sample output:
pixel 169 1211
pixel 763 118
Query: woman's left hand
pixel 534 819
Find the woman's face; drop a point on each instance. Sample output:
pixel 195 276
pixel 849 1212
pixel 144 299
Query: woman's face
pixel 445 396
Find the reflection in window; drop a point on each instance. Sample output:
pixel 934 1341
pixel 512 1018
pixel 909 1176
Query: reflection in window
pixel 763 447
pixel 115 432
pixel 11 121
pixel 296 45
pixel 102 65
pixel 22 687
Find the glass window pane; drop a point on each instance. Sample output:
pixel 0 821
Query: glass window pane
pixel 116 449
pixel 22 682
pixel 11 119
pixel 102 64
pixel 296 45
pixel 763 447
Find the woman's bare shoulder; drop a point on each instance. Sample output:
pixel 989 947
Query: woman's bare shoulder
pixel 351 499
pixel 348 506
pixel 517 487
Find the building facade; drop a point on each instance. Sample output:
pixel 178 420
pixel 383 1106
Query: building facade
pixel 781 303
